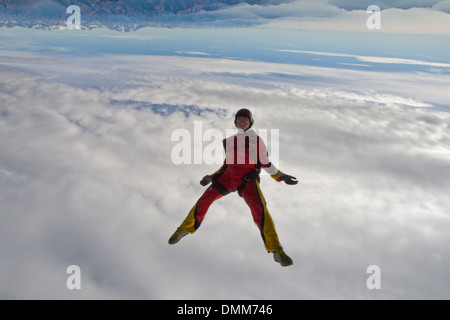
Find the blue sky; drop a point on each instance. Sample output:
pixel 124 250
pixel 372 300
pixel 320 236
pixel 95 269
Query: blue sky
pixel 86 176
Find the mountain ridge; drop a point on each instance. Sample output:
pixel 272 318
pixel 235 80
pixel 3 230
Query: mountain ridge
pixel 120 15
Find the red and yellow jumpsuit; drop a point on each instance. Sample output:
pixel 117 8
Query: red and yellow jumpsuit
pixel 246 153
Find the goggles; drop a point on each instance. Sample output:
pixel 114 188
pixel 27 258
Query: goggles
pixel 242 120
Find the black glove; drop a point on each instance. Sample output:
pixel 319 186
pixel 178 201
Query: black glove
pixel 289 179
pixel 206 180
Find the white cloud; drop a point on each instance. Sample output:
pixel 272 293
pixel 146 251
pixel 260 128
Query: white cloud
pixel 422 17
pixel 393 20
pixel 193 53
pixel 384 4
pixel 385 60
pixel 443 6
pixel 406 16
pixel 311 8
pixel 88 182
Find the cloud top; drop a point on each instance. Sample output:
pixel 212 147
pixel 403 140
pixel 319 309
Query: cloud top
pixel 87 179
pixel 136 14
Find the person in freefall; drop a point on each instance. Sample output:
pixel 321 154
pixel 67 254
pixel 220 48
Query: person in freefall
pixel 246 154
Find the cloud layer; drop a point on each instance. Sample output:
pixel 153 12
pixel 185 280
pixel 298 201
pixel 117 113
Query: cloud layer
pixel 385 4
pixel 87 179
pixel 398 16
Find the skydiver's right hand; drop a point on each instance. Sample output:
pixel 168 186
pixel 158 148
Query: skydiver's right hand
pixel 206 180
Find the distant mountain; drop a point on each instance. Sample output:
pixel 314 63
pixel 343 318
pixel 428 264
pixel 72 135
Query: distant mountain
pixel 121 15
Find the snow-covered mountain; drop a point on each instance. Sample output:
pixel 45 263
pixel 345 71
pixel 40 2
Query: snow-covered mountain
pixel 121 15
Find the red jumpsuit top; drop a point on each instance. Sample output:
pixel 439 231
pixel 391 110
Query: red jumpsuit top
pixel 244 153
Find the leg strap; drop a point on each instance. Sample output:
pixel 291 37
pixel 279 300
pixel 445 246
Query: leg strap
pixel 254 175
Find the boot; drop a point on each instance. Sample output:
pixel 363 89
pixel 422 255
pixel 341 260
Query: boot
pixel 281 257
pixel 177 236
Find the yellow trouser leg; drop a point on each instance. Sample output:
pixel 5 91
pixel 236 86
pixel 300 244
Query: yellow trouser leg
pixel 255 200
pixel 190 222
pixel 198 211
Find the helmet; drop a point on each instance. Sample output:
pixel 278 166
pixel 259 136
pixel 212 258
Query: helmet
pixel 244 113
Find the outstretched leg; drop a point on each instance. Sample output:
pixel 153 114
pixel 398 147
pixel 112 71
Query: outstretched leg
pixel 198 211
pixel 196 215
pixel 255 200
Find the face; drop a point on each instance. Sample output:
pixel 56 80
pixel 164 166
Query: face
pixel 242 123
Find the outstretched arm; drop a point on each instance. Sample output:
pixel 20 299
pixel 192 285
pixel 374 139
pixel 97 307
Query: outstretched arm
pixel 209 178
pixel 270 168
pixel 280 176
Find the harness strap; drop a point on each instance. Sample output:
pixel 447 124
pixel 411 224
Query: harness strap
pixel 220 188
pixel 254 175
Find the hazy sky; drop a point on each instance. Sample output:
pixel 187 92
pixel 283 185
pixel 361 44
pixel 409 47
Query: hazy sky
pixel 87 179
